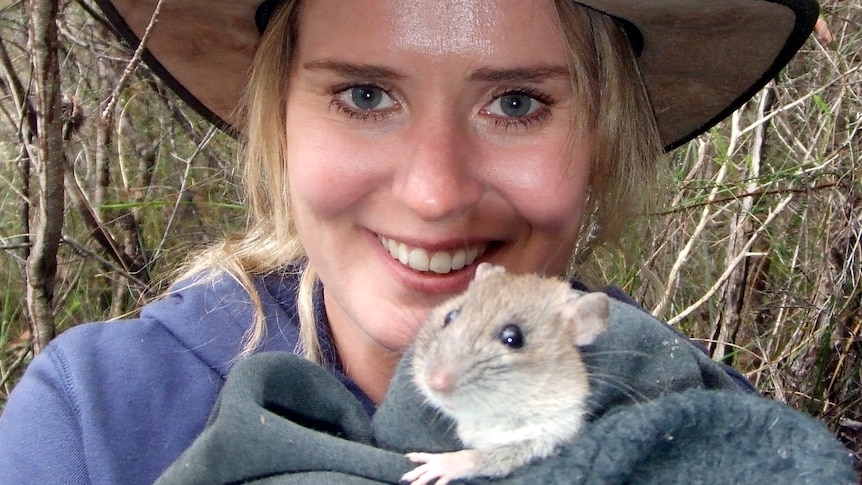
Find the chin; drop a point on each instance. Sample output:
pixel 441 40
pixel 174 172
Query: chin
pixel 403 338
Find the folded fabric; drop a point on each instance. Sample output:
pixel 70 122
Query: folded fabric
pixel 660 412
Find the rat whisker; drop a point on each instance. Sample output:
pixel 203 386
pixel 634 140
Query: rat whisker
pixel 619 384
pixel 605 353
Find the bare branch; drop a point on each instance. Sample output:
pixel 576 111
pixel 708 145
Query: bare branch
pixel 131 66
pixel 730 267
pixel 49 168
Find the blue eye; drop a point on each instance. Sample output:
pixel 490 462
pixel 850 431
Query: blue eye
pixel 367 98
pixel 514 105
pixel 511 336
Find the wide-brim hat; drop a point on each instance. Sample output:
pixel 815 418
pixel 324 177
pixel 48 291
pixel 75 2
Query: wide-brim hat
pixel 700 59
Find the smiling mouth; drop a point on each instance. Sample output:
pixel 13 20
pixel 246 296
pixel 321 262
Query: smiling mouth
pixel 440 261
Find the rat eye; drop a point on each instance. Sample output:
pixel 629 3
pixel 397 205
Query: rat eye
pixel 451 316
pixel 511 336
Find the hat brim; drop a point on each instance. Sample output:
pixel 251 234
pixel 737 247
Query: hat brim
pixel 700 59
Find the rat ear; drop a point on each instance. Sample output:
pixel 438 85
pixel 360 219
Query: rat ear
pixel 485 270
pixel 588 314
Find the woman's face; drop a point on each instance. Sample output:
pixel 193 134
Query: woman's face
pixel 424 137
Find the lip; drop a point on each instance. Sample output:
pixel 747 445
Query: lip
pixel 452 282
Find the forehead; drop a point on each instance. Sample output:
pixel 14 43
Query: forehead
pixel 432 28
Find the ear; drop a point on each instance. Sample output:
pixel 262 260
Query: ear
pixel 588 314
pixel 485 270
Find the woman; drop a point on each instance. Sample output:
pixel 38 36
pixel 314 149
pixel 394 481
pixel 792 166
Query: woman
pixel 391 146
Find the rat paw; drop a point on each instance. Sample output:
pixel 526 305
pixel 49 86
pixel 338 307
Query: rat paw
pixel 442 467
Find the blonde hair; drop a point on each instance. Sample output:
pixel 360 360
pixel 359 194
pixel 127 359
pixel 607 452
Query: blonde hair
pixel 612 105
pixel 626 142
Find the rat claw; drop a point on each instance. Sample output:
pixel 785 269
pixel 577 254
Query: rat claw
pixel 425 473
pixel 442 467
pixel 418 476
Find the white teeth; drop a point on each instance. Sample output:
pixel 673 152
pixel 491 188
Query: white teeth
pixel 403 256
pixel 418 260
pixel 440 262
pixel 459 260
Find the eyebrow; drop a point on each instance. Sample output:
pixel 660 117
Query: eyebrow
pixel 530 74
pixel 347 69
pixel 484 74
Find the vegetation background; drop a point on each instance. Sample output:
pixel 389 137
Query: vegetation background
pixel 108 181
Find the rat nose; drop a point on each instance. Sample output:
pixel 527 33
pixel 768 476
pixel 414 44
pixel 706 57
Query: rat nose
pixel 437 178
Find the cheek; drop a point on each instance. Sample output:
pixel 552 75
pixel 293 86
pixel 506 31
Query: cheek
pixel 330 172
pixel 548 186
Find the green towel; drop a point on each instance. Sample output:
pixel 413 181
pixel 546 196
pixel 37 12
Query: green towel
pixel 660 412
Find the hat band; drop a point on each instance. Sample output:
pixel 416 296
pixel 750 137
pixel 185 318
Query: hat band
pixel 633 34
pixel 264 13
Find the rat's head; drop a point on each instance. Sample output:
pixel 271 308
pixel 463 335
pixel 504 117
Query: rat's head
pixel 508 338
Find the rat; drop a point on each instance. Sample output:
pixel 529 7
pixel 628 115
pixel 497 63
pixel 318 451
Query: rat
pixel 502 360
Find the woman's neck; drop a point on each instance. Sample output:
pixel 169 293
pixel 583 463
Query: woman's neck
pixel 371 371
pixel 367 363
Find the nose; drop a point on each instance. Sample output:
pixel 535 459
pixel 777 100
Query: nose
pixel 438 177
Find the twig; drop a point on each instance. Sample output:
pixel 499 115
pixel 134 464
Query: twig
pixel 95 15
pixel 183 187
pixel 77 246
pixel 98 230
pixel 799 101
pixel 672 277
pixel 14 246
pixel 20 360
pixel 733 264
pixel 131 66
pixel 755 193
